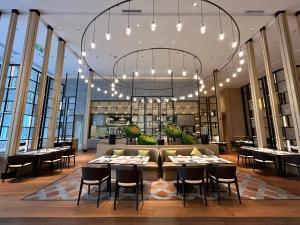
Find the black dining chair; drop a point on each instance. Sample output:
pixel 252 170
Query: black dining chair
pixel 223 174
pixel 260 158
pixel 95 176
pixel 53 161
pixel 129 178
pixel 245 156
pixel 67 156
pixel 293 161
pixel 17 163
pixel 191 176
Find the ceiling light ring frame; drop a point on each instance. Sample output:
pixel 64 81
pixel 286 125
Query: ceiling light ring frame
pixel 124 84
pixel 227 60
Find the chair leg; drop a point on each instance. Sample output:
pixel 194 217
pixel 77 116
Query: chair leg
pixel 74 160
pixel 218 191
pixel 142 189
pixel 229 188
pixel 238 190
pixel 177 185
pixel 183 190
pixel 20 174
pixel 89 189
pixel 98 199
pixel 205 191
pixel 116 195
pixel 137 196
pixel 238 161
pixel 108 182
pixel 6 170
pixel 80 190
pixel 299 170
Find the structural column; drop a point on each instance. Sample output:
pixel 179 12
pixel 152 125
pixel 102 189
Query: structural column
pixel 7 51
pixel 56 92
pixel 21 91
pixel 217 93
pixel 87 112
pixel 256 98
pixel 42 90
pixel 290 71
pixel 272 92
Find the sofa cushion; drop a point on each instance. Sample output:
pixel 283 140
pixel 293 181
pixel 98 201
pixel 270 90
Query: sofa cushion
pixel 196 152
pixel 144 153
pixel 118 152
pixel 170 152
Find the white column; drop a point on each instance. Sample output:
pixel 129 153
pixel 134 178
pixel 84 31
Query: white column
pixel 290 71
pixel 21 91
pixel 217 92
pixel 42 90
pixel 256 98
pixel 7 51
pixel 56 92
pixel 272 92
pixel 87 112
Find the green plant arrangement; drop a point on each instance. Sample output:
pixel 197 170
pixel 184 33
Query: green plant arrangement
pixel 188 139
pixel 132 131
pixel 146 140
pixel 173 130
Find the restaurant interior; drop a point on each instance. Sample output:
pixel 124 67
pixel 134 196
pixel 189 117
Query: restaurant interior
pixel 150 112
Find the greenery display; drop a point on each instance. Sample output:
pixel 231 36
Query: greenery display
pixel 173 130
pixel 132 131
pixel 188 139
pixel 146 140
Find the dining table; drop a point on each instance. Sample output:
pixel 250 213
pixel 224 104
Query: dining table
pixel 121 160
pixel 202 160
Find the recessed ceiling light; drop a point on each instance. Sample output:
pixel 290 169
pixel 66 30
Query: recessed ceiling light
pixel 252 29
pixel 195 4
pixel 59 28
pixel 77 28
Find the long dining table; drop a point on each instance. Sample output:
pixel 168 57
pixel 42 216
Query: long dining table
pixel 202 160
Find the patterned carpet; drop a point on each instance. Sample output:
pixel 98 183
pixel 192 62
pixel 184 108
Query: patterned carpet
pixel 67 188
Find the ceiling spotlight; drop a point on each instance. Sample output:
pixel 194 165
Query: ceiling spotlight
pixel 127 97
pixel 82 76
pixel 179 26
pixel 195 4
pixel 152 71
pixel 86 81
pixel 169 71
pixel 234 75
pixel 227 80
pixel 115 92
pixel 213 88
pixel 80 61
pixel 92 85
pixel 134 99
pixel 98 89
pixel 221 36
pixel 93 45
pixel 195 77
pixel 112 94
pixel 202 86
pixel 203 29
pixel 242 61
pixel 153 26
pixel 107 36
pixel 201 82
pixel 116 80
pixel 136 73
pixel 112 85
pixel 241 53
pixel 190 95
pixel 234 44
pixel 205 92
pixel 128 31
pixel 221 84
pixel 201 90
pixel 196 93
pixel 105 92
pixel 121 95
pixel 124 76
pixel 239 69
pixel 184 73
pixel 83 53
pixel 80 70
pixel 112 89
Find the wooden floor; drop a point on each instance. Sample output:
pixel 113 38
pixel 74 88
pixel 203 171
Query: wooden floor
pixel 15 211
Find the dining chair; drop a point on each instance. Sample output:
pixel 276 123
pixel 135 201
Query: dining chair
pixel 245 155
pixel 260 158
pixel 53 161
pixel 129 178
pixel 293 161
pixel 17 163
pixel 191 176
pixel 223 174
pixel 67 156
pixel 95 176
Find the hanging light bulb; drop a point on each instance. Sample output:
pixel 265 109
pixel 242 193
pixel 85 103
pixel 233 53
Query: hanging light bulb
pixel 201 90
pixel 158 100
pixel 93 45
pixel 112 89
pixel 115 92
pixel 79 70
pixel 184 73
pixel 121 95
pixel 242 62
pixel 150 100
pixel 136 73
pixel 221 84
pixel 128 29
pixel 201 81
pixel 107 35
pixel 234 44
pixel 234 75
pixel 105 92
pixel 134 99
pixel 116 80
pixel 112 94
pixel 127 97
pixel 221 36
pixel 169 71
pixel 241 53
pixel 83 53
pixel 205 92
pixel 86 80
pixel 195 77
pixel 112 85
pixel 196 93
pixel 179 24
pixel 152 71
pixel 92 85
pixel 80 61
pixel 213 88
pixel 190 95
pixel 202 86
pixel 227 80
pixel 203 29
pixel 98 89
pixel 124 76
pixel 153 26
pixel 239 69
pixel 82 76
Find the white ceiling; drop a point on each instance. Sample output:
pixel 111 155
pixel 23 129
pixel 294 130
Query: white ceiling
pixel 72 16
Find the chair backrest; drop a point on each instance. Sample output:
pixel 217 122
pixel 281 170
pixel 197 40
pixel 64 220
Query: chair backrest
pixel 70 151
pixel 292 159
pixel 53 155
pixel 245 152
pixel 191 173
pixel 223 171
pixel 95 173
pixel 128 175
pixel 262 156
pixel 18 160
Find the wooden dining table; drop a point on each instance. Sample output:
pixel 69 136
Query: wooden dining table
pixel 202 160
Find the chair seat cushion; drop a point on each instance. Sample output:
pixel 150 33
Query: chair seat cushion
pixel 223 179
pixel 193 181
pixel 91 182
pixel 292 164
pixel 264 161
pixel 68 156
pixel 19 165
pixel 52 161
pixel 127 184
